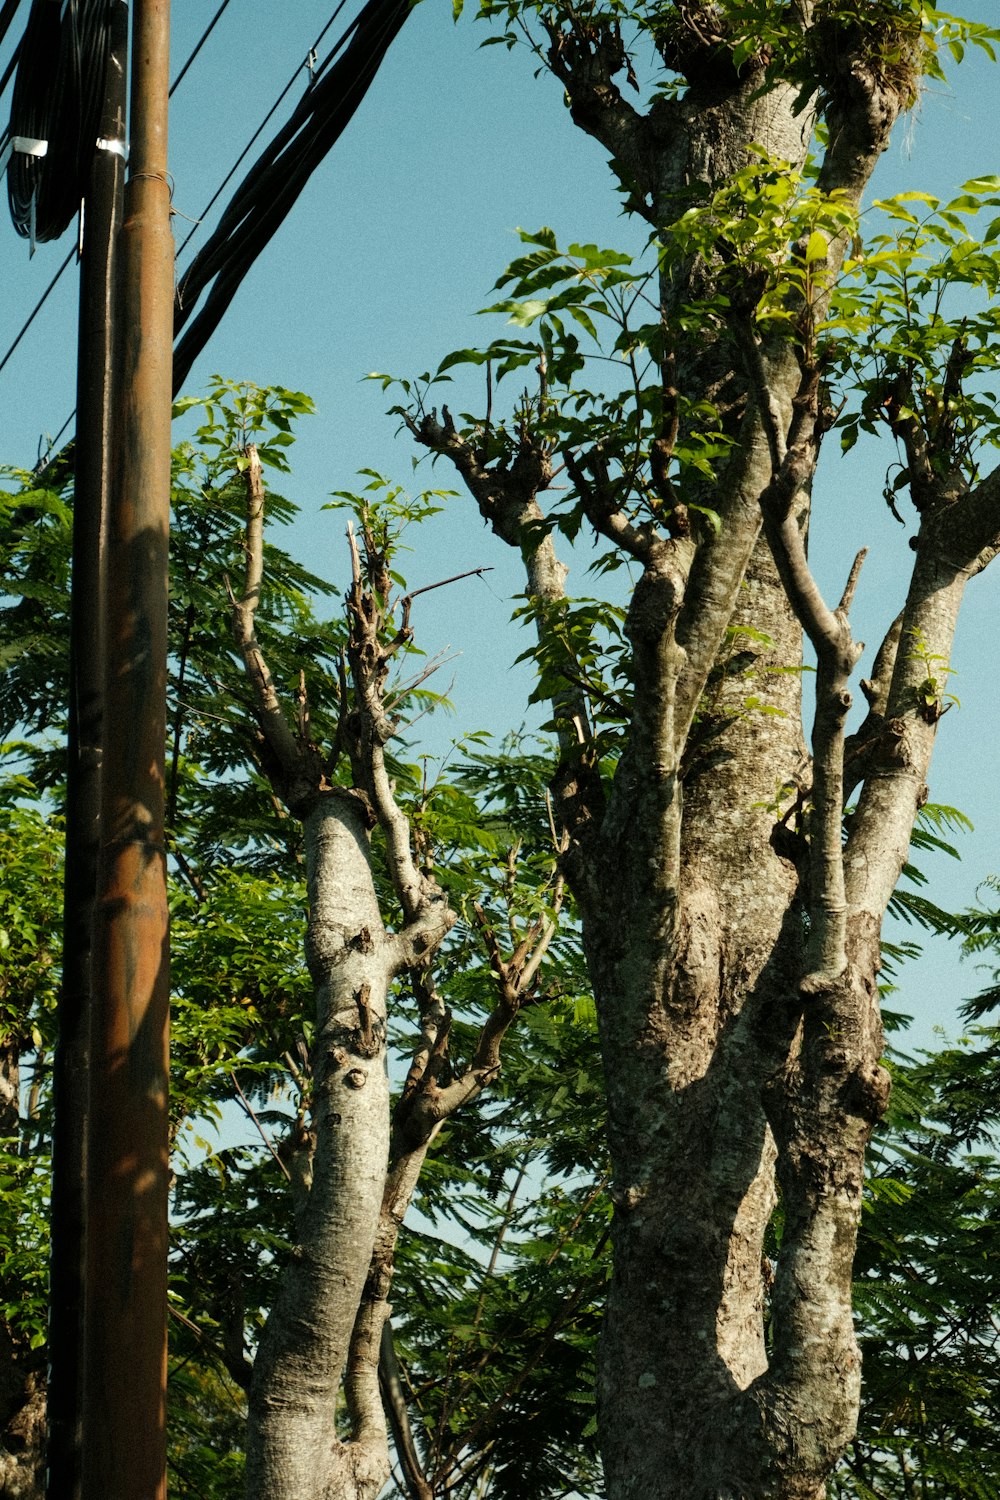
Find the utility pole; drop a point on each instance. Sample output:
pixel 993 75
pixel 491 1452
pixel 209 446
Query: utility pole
pixel 101 221
pixel 124 1440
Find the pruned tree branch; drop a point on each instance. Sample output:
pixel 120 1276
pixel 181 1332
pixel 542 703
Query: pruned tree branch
pixel 425 910
pixel 507 496
pixel 506 493
pixel 587 56
pixel 298 767
pixel 591 480
pixel 877 737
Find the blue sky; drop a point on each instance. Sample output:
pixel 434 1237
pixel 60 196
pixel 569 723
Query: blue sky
pixel 393 246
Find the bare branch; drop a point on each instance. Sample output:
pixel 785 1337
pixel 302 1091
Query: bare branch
pixel 760 382
pixel 397 1410
pixel 601 508
pixel 586 57
pixel 299 770
pixel 425 910
pixel 836 654
pixel 484 446
pixel 877 739
pixel 401 690
pixel 252 1114
pixel 361 1380
pixel 847 597
pixel 441 583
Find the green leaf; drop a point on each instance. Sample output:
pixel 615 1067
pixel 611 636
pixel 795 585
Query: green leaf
pixel 817 247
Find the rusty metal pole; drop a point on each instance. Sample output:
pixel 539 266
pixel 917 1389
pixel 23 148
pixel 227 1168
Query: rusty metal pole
pixel 102 219
pixel 125 1317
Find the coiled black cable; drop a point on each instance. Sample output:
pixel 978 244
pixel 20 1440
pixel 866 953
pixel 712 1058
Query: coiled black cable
pixel 266 196
pixel 7 15
pixel 57 99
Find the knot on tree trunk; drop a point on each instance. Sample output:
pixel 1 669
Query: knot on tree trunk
pixel 867 1092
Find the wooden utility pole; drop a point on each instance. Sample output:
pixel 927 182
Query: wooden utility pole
pixel 126 1203
pixel 102 219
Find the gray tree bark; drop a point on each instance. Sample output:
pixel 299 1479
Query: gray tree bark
pixel 735 963
pixel 316 1425
pixel 293 1449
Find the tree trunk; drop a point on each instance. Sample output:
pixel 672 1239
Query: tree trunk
pixel 691 994
pixel 717 1068
pixel 293 1447
pixel 737 1065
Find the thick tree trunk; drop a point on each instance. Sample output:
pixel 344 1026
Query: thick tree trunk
pixel 693 1022
pixel 734 1062
pixel 717 1066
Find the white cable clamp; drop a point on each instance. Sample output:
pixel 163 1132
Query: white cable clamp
pixel 117 148
pixel 28 146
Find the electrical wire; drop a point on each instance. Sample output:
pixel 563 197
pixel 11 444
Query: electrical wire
pixel 6 16
pixel 256 135
pixel 267 194
pixel 57 100
pixel 9 69
pixel 12 4
pixel 197 48
pixel 281 165
pixel 37 308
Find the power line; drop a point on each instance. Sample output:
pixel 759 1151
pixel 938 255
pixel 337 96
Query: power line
pixel 37 307
pixel 266 196
pixel 198 46
pixel 9 69
pixel 6 16
pixel 256 135
pixel 53 441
